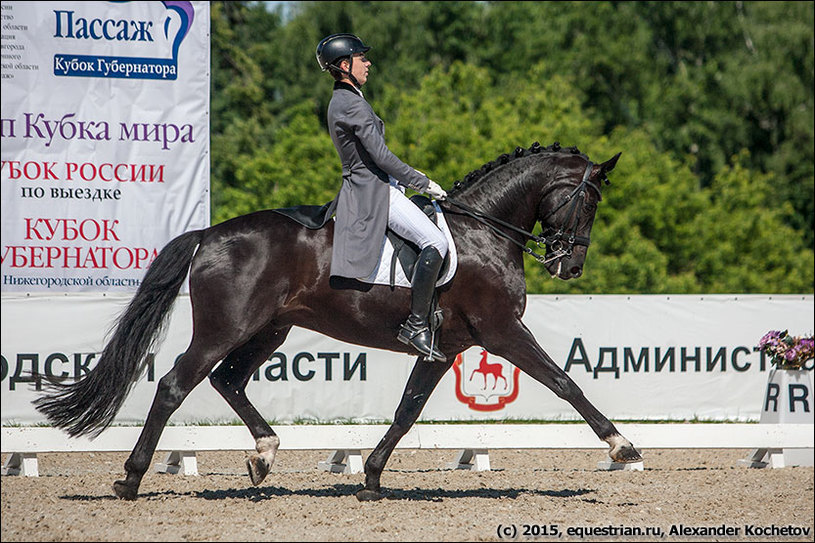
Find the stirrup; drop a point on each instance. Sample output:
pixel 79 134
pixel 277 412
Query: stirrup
pixel 417 338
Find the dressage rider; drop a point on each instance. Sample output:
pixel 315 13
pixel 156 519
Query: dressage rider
pixel 372 194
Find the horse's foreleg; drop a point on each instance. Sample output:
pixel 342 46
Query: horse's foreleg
pixel 519 347
pixel 423 379
pixel 230 380
pixel 173 388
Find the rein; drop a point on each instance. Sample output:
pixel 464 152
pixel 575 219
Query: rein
pixel 555 240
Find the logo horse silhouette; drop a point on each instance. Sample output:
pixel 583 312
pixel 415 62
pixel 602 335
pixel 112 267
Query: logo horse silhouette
pixel 485 368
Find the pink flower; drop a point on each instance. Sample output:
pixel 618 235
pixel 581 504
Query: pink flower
pixel 785 350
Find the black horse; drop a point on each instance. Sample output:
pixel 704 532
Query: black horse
pixel 255 276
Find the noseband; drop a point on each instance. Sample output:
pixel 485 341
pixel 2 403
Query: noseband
pixel 559 242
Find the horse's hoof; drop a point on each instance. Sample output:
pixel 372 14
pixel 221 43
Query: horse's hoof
pixel 258 469
pixel 124 491
pixel 366 495
pixel 628 455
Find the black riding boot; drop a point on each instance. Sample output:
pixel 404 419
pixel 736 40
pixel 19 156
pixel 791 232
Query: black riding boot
pixel 416 330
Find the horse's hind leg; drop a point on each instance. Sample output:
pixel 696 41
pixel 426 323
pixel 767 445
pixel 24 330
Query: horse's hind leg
pixel 230 379
pixel 173 388
pixel 423 379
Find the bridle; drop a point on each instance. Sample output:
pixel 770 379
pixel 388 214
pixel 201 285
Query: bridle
pixel 559 242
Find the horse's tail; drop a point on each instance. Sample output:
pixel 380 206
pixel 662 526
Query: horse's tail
pixel 88 406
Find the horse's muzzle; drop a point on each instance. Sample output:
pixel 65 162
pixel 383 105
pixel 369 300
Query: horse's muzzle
pixel 564 270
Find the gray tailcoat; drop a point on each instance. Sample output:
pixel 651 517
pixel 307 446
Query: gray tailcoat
pixel 362 202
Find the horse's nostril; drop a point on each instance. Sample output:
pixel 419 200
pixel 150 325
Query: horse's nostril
pixel 577 272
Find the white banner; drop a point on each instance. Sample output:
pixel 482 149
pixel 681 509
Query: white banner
pixel 105 139
pixel 635 358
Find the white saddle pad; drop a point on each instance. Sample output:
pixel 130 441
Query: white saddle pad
pixel 382 274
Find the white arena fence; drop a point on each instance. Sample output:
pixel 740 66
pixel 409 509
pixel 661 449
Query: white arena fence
pixel 635 357
pixel 679 358
pixel 473 441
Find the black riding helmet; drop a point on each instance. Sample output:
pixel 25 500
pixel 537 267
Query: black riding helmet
pixel 335 47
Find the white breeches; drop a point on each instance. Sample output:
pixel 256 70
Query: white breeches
pixel 408 221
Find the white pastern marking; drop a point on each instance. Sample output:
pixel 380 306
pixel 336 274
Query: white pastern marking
pixel 267 448
pixel 617 442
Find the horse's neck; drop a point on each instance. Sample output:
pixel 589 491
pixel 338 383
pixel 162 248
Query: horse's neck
pixel 511 198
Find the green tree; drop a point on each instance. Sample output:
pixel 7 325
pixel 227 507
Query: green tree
pixel 705 79
pixel 751 249
pixel 300 167
pixel 710 103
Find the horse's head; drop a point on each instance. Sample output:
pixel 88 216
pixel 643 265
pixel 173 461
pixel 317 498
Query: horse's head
pixel 566 213
pixel 558 187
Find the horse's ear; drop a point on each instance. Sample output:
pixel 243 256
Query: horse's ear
pixel 609 164
pixel 599 171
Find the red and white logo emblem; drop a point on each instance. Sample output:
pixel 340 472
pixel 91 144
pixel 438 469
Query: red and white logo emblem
pixel 484 385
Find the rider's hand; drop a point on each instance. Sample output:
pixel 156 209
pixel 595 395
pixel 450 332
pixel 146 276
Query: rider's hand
pixel 435 191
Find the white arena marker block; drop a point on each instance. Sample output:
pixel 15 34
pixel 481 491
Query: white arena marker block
pixel 610 465
pixel 179 462
pixel 762 458
pixel 347 461
pixel 24 464
pixel 787 400
pixel 472 459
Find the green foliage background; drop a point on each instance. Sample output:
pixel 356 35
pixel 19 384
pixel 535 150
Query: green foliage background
pixel 710 103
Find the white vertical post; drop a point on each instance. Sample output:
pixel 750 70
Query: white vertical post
pixel 179 462
pixel 343 461
pixel 24 464
pixel 472 459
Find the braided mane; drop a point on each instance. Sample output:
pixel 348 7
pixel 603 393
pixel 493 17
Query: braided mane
pixel 519 152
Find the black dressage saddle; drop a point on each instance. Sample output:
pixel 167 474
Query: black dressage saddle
pixel 405 252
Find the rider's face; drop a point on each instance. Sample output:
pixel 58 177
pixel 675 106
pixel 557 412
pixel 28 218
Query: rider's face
pixel 360 68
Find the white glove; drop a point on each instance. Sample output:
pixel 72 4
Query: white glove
pixel 435 191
